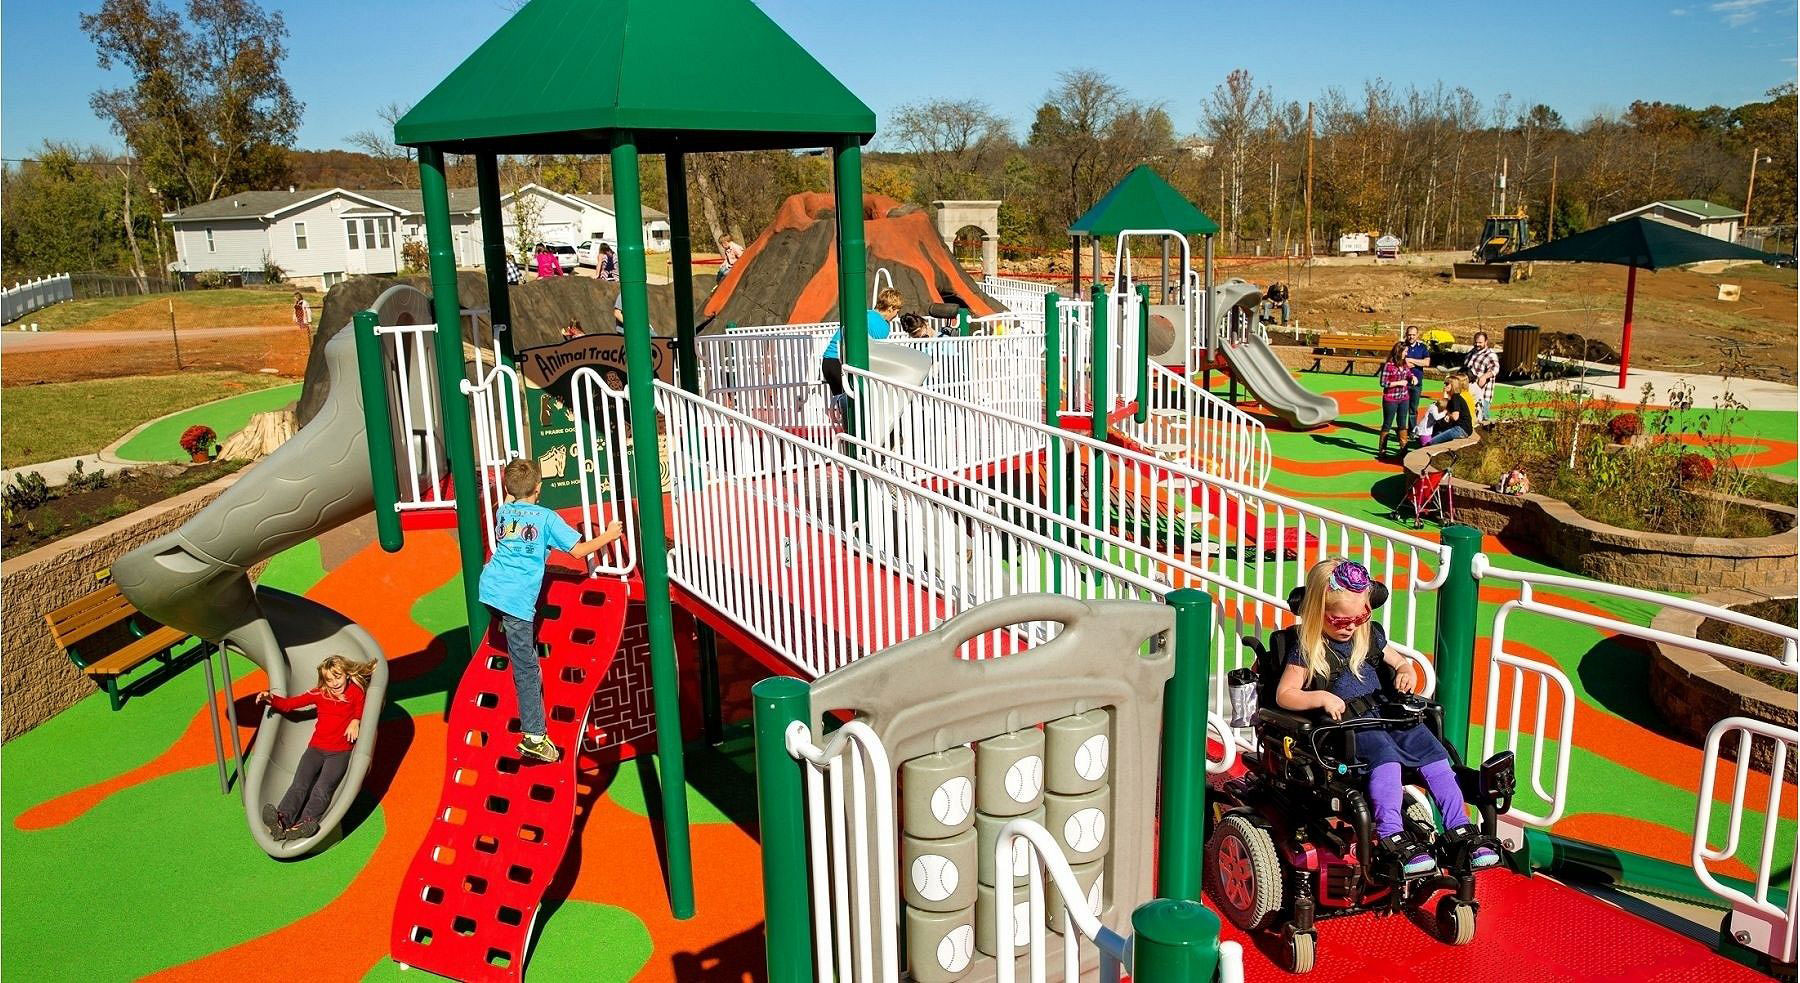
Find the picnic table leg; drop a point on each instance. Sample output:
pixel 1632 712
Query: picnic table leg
pixel 237 747
pixel 212 717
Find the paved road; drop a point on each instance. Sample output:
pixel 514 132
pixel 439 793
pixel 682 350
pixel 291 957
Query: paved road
pixel 56 341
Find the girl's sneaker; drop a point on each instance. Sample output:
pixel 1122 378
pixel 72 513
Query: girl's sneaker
pixel 1413 858
pixel 273 820
pixel 1482 858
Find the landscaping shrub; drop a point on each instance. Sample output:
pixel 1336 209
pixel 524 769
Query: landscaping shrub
pixel 1695 469
pixel 1625 426
pixel 210 279
pixel 272 271
pixel 83 480
pixel 198 439
pixel 414 257
pixel 27 491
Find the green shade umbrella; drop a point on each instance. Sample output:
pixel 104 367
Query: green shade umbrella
pixel 1636 242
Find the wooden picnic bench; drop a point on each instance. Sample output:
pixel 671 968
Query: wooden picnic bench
pixel 1362 354
pixel 88 623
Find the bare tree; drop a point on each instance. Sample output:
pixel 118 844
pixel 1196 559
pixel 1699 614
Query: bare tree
pixel 398 164
pixel 954 144
pixel 1231 117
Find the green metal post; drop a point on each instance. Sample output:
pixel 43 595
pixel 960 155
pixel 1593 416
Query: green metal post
pixel 853 262
pixel 781 815
pixel 1098 367
pixel 1174 942
pixel 653 558
pixel 1184 747
pixel 459 444
pixel 1454 645
pixel 493 250
pixel 1143 366
pixel 371 372
pixel 963 328
pixel 681 273
pixel 1052 359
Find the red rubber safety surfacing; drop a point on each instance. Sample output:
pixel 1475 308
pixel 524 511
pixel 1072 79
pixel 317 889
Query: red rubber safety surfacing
pixel 1528 930
pixel 502 824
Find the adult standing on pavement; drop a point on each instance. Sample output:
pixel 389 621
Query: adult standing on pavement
pixel 1418 355
pixel 729 253
pixel 1483 367
pixel 302 314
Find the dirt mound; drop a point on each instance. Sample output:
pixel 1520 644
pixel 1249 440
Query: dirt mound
pixel 540 309
pixel 1565 344
pixel 789 274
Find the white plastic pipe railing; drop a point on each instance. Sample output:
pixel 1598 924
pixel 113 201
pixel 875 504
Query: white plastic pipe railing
pixel 1550 682
pixel 603 455
pixel 846 829
pixel 497 409
pixel 825 559
pixel 415 391
pixel 1191 425
pixel 1764 925
pixel 1771 929
pixel 1164 520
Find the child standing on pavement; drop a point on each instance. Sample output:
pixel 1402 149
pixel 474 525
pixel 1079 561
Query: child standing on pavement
pixel 525 533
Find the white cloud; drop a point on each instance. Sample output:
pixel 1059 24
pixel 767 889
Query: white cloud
pixel 1678 12
pixel 1737 13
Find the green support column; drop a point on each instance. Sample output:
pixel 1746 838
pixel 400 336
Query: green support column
pixel 681 273
pixel 371 374
pixel 653 558
pixel 781 815
pixel 459 444
pixel 963 328
pixel 1102 403
pixel 1174 942
pixel 1184 748
pixel 853 287
pixel 1143 366
pixel 493 252
pixel 1052 359
pixel 1454 643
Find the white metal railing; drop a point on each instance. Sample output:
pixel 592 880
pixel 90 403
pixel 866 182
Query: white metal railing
pixel 1186 422
pixel 1076 321
pixel 1765 925
pixel 1771 929
pixel 414 388
pixel 773 377
pixel 497 410
pixel 824 558
pixel 1551 789
pixel 1164 520
pixel 1080 919
pixel 603 457
pixel 1022 297
pixel 1003 372
pixel 845 828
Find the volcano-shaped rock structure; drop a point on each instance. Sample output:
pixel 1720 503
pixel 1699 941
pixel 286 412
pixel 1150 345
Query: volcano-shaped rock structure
pixel 540 310
pixel 789 274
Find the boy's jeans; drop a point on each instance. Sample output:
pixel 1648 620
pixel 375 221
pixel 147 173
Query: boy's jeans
pixel 521 648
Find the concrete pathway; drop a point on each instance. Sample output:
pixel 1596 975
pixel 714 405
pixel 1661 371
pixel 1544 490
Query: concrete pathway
pixel 57 472
pixel 1708 390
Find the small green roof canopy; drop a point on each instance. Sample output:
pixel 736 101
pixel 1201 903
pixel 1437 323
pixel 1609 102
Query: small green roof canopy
pixel 1143 200
pixel 698 75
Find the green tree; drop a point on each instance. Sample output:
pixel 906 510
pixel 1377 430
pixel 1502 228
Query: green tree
pixel 207 111
pixel 62 213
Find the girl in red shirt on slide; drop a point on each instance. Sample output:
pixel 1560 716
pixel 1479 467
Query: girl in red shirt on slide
pixel 339 699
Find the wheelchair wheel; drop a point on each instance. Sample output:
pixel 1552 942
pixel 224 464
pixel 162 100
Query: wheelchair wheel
pixel 1247 876
pixel 1302 951
pixel 1455 921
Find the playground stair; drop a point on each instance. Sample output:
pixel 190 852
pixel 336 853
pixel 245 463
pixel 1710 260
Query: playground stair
pixel 472 894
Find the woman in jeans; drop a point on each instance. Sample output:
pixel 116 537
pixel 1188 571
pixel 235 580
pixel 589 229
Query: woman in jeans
pixel 1396 386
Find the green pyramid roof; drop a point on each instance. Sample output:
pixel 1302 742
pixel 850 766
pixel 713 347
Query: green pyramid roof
pixel 698 75
pixel 1143 200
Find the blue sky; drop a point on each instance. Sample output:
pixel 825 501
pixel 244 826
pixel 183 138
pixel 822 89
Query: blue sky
pixel 1579 56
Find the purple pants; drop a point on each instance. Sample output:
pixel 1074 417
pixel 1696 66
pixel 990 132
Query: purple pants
pixel 1387 798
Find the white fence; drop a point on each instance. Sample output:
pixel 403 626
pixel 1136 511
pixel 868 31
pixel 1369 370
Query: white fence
pixel 21 299
pixel 1186 423
pixel 1757 921
pixel 1022 297
pixel 413 386
pixel 772 377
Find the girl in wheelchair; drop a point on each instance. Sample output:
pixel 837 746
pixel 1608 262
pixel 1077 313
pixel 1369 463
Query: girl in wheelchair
pixel 1331 669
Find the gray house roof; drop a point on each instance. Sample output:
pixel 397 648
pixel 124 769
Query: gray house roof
pixel 268 204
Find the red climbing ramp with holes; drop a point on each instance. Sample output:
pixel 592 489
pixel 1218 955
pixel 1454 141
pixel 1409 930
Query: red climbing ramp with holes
pixel 502 824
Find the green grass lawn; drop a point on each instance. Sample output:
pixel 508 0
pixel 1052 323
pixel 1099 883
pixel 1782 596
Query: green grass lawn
pixel 161 441
pixel 193 308
pixel 64 419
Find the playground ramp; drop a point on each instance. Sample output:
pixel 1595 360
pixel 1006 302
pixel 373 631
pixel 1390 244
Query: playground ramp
pixel 197 579
pixel 476 885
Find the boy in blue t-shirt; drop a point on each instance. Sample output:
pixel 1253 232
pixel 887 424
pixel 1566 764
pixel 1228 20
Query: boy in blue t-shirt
pixel 525 533
pixel 888 305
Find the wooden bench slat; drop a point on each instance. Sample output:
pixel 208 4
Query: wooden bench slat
pixel 105 594
pixel 137 653
pixel 89 621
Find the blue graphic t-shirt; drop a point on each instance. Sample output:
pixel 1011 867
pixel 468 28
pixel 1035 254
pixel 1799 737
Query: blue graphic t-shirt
pixel 513 576
pixel 878 330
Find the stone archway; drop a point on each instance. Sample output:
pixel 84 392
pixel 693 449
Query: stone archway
pixel 984 215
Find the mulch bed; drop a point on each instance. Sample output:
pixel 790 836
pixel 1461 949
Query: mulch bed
pixel 69 512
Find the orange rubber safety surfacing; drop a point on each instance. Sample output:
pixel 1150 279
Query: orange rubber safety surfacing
pixel 1528 930
pixel 502 824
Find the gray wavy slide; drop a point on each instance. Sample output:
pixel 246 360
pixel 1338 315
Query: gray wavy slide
pixel 1256 365
pixel 197 579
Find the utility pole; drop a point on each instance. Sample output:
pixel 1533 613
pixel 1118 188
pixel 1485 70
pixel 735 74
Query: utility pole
pixel 1502 209
pixel 1550 217
pixel 1309 186
pixel 174 335
pixel 1755 154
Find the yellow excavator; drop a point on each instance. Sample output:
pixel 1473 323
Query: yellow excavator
pixel 1500 235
